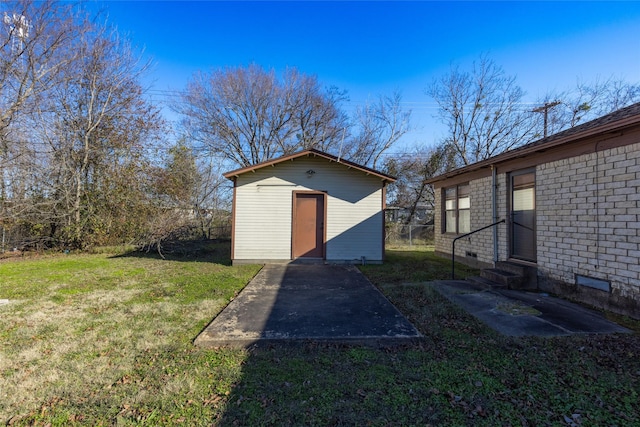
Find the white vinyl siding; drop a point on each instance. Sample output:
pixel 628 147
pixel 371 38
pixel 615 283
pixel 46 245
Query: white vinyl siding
pixel 263 210
pixel 354 217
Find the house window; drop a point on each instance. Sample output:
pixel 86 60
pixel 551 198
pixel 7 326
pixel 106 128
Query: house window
pixel 450 210
pixel 457 218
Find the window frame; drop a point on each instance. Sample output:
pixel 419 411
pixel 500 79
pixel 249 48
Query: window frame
pixel 451 202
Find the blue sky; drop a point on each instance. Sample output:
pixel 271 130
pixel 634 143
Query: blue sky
pixel 371 48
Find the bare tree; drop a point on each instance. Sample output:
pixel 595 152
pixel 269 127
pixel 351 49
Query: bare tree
pixel 587 101
pixel 192 185
pixel 413 171
pixel 248 115
pixel 189 200
pixel 34 39
pixel 212 199
pixel 482 110
pixel 96 122
pixel 33 49
pixel 378 126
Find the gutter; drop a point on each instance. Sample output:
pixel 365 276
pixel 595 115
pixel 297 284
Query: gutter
pixel 568 136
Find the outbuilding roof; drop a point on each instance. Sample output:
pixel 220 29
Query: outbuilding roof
pixel 309 153
pixel 618 120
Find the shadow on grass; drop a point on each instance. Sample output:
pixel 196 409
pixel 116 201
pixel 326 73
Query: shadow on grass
pixel 217 251
pixel 463 374
pixel 323 383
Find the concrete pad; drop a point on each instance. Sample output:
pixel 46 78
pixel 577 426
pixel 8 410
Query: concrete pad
pixel 308 303
pixel 518 313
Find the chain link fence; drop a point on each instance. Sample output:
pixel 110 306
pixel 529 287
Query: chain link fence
pixel 222 232
pixel 409 234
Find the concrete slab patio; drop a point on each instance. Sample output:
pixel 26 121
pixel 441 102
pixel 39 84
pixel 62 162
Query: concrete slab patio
pixel 328 303
pixel 518 313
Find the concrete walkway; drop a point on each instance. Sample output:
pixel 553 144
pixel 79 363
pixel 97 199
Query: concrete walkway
pixel 518 313
pixel 326 303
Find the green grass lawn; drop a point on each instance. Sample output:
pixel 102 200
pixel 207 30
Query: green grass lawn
pixel 106 339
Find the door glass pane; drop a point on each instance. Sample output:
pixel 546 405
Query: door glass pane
pixel 523 200
pixel 523 217
pixel 524 180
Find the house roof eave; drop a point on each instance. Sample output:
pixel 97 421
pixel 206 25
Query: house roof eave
pixel 600 126
pixel 309 152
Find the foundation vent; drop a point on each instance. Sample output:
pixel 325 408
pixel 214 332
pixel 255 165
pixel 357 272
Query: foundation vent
pixel 590 282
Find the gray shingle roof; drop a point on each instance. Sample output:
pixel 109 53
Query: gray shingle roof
pixel 613 121
pixel 618 115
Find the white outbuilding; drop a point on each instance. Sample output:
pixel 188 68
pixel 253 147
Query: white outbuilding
pixel 308 207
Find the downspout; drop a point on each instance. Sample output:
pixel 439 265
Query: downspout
pixel 494 208
pixel 233 220
pixel 597 203
pixel 384 222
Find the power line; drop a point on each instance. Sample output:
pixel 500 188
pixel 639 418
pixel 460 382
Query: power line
pixel 545 109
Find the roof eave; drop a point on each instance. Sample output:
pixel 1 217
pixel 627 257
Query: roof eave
pixel 539 146
pixel 231 175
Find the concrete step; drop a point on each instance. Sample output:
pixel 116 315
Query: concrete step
pixel 485 283
pixel 504 278
pixel 512 267
pixel 529 274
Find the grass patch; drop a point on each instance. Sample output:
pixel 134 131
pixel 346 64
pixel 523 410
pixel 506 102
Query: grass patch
pixel 414 264
pixel 79 329
pixel 106 340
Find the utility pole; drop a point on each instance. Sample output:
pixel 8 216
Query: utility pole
pixel 545 109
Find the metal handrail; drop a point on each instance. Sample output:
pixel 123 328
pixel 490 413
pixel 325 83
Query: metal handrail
pixel 453 246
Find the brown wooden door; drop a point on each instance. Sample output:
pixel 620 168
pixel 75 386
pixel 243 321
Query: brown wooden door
pixel 308 226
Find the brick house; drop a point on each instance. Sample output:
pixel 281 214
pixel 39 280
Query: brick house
pixel 570 206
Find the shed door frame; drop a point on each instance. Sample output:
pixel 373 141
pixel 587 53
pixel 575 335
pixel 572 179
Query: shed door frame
pixel 321 230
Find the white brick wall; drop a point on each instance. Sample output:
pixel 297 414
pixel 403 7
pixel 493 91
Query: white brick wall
pixel 480 243
pixel 502 194
pixel 588 211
